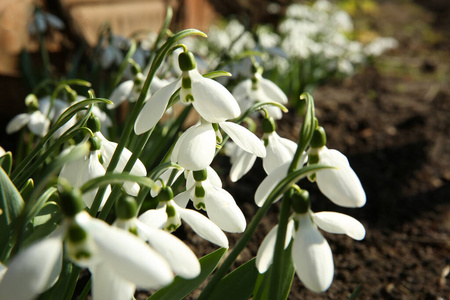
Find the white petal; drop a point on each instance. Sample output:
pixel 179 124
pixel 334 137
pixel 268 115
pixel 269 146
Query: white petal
pixel 277 152
pixel 196 147
pixel 93 170
pixel 54 21
pixel 120 93
pixel 180 257
pixel 128 256
pixel 108 285
pixel 334 222
pixel 17 123
pixel 269 183
pixel 340 185
pixel 212 178
pixel 154 108
pixel 241 165
pixel 213 101
pixel 33 270
pixel 154 218
pixel 272 91
pixel 223 210
pixel 264 257
pixel 39 123
pixel 182 198
pixel 273 111
pixel 312 257
pixel 204 227
pixel 244 138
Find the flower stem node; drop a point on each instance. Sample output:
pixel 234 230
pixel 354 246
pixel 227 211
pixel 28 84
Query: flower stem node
pixel 186 60
pixel 165 194
pixel 268 125
pixel 71 201
pixel 319 138
pixel 126 208
pixel 93 123
pixel 300 201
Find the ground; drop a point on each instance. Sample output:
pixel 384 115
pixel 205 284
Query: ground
pixel 392 120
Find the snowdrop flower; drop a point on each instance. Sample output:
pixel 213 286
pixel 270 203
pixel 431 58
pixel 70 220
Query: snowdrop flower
pixel 205 190
pixel 112 54
pixel 278 151
pixel 195 149
pixel 340 184
pixel 36 119
pixel 170 212
pixel 258 89
pixel 311 254
pixel 380 45
pixel 210 99
pixel 44 20
pixel 180 257
pixel 80 171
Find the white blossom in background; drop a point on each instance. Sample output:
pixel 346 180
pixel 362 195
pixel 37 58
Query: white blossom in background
pixel 259 89
pixel 2 151
pixel 112 55
pixel 43 21
pixel 380 45
pixel 37 123
pixel 311 254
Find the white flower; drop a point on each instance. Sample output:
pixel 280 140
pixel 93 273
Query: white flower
pixel 37 123
pixel 2 151
pixel 278 151
pixel 259 89
pixel 158 218
pixel 340 184
pixel 210 99
pixel 195 149
pixel 180 257
pixel 114 255
pixel 80 171
pixel 311 254
pixel 219 205
pixel 107 151
pixel 33 270
pixel 43 20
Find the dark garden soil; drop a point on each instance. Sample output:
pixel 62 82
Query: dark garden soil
pixel 392 120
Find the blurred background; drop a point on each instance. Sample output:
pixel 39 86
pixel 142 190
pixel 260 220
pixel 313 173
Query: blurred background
pixel 380 81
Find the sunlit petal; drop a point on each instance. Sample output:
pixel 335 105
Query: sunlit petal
pixel 108 285
pixel 269 183
pixel 121 93
pixel 334 222
pixel 244 138
pixel 17 123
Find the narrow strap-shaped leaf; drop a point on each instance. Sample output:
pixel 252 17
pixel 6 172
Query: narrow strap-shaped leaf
pixel 116 178
pixel 180 287
pixel 6 162
pixel 238 285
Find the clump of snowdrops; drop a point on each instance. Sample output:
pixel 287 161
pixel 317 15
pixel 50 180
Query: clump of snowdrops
pixel 89 194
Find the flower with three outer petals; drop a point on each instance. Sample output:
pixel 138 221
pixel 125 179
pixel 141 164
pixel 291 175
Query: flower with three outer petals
pixel 196 147
pixel 210 99
pixel 205 190
pixel 311 254
pixel 170 212
pixel 341 184
pixel 260 89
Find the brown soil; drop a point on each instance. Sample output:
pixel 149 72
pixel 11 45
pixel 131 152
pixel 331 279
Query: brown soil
pixel 392 120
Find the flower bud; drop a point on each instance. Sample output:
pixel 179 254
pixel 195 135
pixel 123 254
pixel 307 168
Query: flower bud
pixel 71 201
pixel 319 138
pixel 93 123
pixel 300 201
pixel 126 208
pixel 186 60
pixel 96 143
pixel 268 125
pixel 165 194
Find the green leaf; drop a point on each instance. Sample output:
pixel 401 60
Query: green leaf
pixel 180 287
pixel 11 205
pixel 6 162
pixel 238 284
pixel 77 106
pixel 116 178
pixel 309 123
pixel 27 189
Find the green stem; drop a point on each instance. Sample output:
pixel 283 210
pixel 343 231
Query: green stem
pixel 276 271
